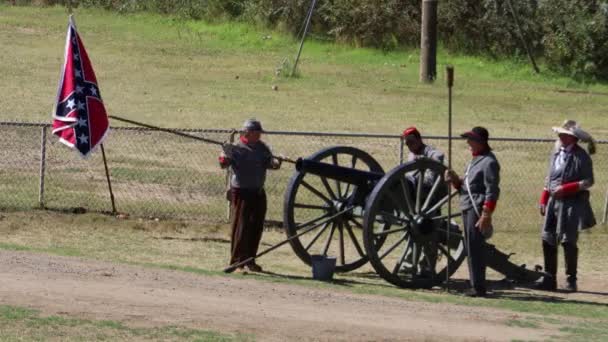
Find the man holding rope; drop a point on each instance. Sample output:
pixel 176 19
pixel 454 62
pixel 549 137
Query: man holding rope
pixel 248 159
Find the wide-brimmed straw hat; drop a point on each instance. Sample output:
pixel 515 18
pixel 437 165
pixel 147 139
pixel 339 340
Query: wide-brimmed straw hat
pixel 571 127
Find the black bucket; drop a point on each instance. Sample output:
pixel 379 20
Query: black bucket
pixel 323 267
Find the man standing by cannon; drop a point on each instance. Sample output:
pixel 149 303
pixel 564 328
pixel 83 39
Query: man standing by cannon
pixel 479 192
pixel 418 149
pixel 248 159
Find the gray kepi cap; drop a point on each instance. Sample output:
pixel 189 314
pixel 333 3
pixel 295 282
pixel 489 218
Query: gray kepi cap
pixel 252 125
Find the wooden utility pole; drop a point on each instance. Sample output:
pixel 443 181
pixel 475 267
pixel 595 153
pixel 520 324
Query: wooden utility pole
pixel 428 41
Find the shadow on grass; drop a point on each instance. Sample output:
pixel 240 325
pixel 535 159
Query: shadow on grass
pixel 499 289
pixel 204 239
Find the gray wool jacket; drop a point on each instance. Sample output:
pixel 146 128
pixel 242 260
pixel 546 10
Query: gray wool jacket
pixel 248 164
pixel 572 213
pixel 432 153
pixel 483 175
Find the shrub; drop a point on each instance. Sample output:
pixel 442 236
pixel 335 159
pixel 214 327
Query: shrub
pixel 576 37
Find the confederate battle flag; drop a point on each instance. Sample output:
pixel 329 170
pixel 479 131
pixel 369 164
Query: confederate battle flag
pixel 80 120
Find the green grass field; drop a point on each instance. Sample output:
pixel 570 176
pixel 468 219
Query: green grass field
pixel 184 74
pixel 192 74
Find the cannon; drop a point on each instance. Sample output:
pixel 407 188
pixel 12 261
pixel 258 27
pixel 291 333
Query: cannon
pixel 397 221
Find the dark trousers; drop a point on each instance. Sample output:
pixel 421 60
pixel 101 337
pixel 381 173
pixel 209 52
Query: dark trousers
pixel 248 210
pixel 476 250
pixel 570 258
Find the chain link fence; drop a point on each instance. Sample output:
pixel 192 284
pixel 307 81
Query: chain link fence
pixel 160 175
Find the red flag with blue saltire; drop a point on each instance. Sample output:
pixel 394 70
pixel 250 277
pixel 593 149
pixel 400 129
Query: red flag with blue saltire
pixel 79 119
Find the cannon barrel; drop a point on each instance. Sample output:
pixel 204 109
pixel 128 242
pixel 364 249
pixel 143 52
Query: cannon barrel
pixel 343 174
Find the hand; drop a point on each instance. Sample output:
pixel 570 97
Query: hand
pixel 484 222
pixel 227 149
pixel 223 160
pixel 543 210
pixel 558 192
pixel 452 178
pixel 276 162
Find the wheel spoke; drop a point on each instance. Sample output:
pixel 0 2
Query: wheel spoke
pixel 334 158
pixel 419 190
pixel 329 237
pixel 330 191
pixel 415 258
pixel 316 192
pixel 406 194
pixel 441 202
pixel 402 258
pixel 391 248
pixel 353 238
pixel 341 239
pixel 316 237
pixel 445 252
pixel 391 231
pixel 353 162
pixel 445 217
pixel 309 206
pixel 431 193
pixel 395 219
pixel 357 223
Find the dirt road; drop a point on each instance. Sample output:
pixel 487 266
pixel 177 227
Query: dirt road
pixel 141 296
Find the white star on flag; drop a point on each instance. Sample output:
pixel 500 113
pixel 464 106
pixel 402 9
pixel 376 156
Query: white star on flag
pixel 80 105
pixel 76 56
pixel 82 123
pixel 83 139
pixel 79 89
pixel 78 73
pixel 71 104
pixel 93 91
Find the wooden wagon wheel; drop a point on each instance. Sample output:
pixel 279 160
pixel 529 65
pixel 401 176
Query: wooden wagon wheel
pixel 408 216
pixel 314 200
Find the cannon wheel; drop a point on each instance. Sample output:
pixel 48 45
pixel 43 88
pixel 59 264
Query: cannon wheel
pixel 406 227
pixel 314 200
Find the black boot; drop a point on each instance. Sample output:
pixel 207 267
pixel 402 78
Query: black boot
pixel 549 283
pixel 571 258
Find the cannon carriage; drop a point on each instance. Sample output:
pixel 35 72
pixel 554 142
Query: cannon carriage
pixel 398 221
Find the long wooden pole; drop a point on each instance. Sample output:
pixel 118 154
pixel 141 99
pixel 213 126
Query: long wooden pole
pixel 105 164
pixel 450 82
pixel 181 134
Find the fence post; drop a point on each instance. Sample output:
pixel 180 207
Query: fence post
pixel 42 167
pixel 605 209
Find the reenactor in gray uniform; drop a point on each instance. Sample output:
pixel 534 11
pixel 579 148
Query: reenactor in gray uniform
pixel 479 191
pixel 248 159
pixel 565 202
pixel 418 149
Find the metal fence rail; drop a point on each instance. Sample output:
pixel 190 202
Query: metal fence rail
pixel 156 174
